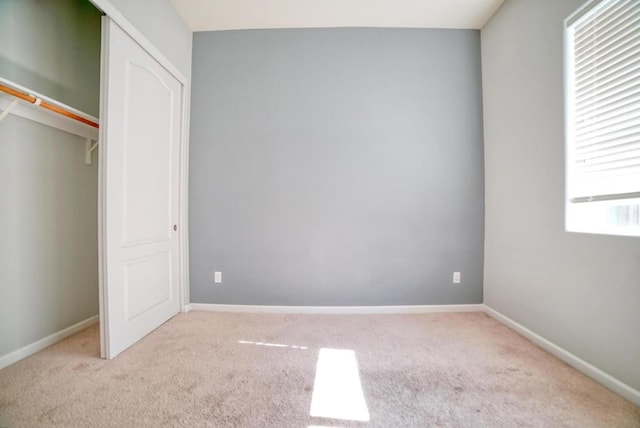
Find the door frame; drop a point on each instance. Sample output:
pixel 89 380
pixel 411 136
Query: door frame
pixel 183 228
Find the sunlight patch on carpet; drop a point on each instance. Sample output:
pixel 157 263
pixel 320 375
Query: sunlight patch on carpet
pixel 337 391
pixel 271 345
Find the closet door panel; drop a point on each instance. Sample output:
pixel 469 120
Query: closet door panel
pixel 140 141
pixel 149 107
pixel 147 284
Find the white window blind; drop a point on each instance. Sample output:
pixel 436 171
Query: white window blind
pixel 603 127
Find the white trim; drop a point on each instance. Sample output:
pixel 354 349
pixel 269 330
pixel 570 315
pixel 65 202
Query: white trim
pixel 574 361
pixel 184 199
pixel 413 309
pixel 114 14
pixel 25 351
pixel 102 183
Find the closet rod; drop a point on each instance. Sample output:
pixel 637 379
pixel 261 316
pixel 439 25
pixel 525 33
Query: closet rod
pixel 44 104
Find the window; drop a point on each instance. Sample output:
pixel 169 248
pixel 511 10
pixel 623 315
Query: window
pixel 602 75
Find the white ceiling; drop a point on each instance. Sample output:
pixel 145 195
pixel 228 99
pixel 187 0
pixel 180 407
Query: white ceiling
pixel 209 15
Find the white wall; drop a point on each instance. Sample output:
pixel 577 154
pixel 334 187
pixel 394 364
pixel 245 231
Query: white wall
pixel 161 24
pixel 577 290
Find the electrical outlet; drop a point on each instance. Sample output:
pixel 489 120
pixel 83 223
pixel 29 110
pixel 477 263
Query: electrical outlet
pixel 217 277
pixel 456 277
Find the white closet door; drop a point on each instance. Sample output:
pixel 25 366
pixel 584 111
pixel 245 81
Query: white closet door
pixel 140 192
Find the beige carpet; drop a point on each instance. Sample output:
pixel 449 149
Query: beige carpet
pixel 251 370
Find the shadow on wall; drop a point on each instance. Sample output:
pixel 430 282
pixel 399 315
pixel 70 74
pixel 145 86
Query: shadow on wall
pixel 35 80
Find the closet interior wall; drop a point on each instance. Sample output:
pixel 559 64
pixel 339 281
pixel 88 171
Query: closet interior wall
pixel 48 194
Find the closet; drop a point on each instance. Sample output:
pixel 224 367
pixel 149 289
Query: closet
pixel 49 102
pixel 90 231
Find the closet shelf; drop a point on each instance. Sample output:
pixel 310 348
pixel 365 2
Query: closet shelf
pixel 47 105
pixel 29 104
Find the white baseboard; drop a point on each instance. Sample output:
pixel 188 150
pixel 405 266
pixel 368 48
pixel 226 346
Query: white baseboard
pixel 414 309
pixel 579 364
pixel 19 354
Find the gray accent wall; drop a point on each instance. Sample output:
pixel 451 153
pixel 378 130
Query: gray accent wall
pixel 336 167
pixel 579 291
pixel 48 195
